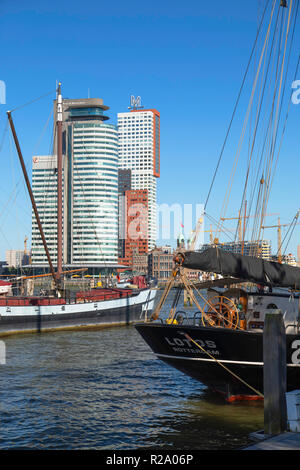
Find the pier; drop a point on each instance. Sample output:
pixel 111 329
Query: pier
pixel 285 441
pixel 280 409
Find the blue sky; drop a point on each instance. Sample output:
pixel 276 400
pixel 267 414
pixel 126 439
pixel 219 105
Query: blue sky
pixel 186 59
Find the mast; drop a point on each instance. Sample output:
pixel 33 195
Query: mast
pixel 34 207
pixel 59 183
pixel 279 255
pixel 244 228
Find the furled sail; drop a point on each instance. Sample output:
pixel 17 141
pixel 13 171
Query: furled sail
pixel 247 268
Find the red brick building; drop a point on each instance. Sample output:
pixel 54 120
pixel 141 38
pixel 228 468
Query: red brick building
pixel 136 224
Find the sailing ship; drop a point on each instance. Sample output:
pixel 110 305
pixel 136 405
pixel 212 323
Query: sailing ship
pixel 93 308
pixel 223 340
pixel 221 344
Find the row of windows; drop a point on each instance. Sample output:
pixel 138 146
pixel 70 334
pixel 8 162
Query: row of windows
pixel 94 146
pixel 93 181
pixel 113 178
pixel 94 125
pixel 91 162
pixel 136 117
pixel 95 134
pixel 88 236
pixel 46 171
pixel 94 150
pixel 137 133
pixel 97 226
pixel 109 200
pixel 94 139
pixel 93 249
pixel 99 160
pixel 136 144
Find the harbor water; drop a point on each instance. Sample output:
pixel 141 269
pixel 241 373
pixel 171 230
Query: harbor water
pixel 104 389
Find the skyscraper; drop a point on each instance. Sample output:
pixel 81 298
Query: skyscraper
pixel 124 184
pixel 90 187
pixel 44 187
pixel 139 151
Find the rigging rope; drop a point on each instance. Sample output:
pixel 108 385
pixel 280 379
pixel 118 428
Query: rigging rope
pixel 291 229
pixel 222 365
pixel 263 159
pixel 229 187
pixel 235 107
pixel 258 114
pixel 33 101
pixel 265 181
pixel 275 126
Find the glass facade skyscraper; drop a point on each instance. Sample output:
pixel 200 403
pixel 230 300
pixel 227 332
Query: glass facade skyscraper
pixel 90 187
pixel 44 187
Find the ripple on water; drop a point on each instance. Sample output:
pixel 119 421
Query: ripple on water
pixel 106 390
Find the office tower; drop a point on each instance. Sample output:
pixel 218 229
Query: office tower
pixel 139 151
pixel 44 187
pixel 16 258
pixel 124 184
pixel 124 181
pixel 90 186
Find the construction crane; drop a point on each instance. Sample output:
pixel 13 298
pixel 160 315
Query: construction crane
pixel 239 223
pixel 239 218
pixel 195 233
pixel 279 235
pixel 25 245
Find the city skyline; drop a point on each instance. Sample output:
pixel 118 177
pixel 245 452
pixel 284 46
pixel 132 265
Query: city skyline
pixel 197 72
pixel 172 228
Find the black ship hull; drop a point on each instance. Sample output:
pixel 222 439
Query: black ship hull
pixel 241 352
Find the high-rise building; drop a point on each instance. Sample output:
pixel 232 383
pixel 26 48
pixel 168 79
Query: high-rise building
pixel 124 184
pixel 136 225
pixel 139 151
pixel 16 258
pixel 261 249
pixel 124 180
pixel 44 187
pixel 90 187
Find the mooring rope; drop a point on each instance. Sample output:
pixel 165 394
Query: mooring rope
pixel 222 365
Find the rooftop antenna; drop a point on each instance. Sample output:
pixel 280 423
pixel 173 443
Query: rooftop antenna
pixel 135 103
